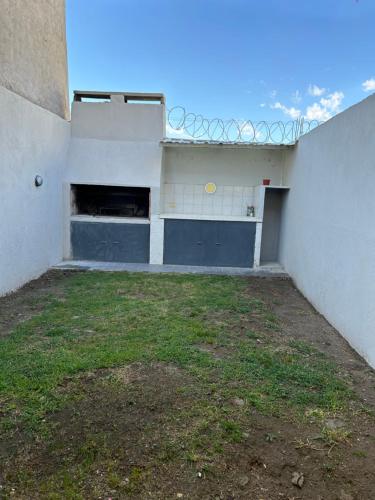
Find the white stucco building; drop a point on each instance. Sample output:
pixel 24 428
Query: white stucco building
pixel 115 188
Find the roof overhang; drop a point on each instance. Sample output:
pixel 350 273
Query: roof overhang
pixel 178 143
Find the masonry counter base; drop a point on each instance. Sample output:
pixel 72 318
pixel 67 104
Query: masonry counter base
pixel 110 242
pixel 209 243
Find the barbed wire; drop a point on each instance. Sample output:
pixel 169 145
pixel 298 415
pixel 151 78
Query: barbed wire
pixel 187 125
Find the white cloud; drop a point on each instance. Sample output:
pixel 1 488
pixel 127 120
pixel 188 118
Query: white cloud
pixel 291 112
pixel 333 101
pixel 326 108
pixel 317 112
pixel 248 131
pixel 263 105
pixel 316 91
pixel 296 97
pixel 368 85
pixel 172 132
pixel 320 111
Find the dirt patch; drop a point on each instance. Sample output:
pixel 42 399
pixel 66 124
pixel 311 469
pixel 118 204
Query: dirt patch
pixel 300 321
pixel 129 437
pixel 215 351
pixel 31 299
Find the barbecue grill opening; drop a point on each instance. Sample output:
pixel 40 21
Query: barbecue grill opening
pixel 110 201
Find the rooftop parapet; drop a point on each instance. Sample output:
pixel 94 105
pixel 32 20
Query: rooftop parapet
pixel 126 97
pixel 118 116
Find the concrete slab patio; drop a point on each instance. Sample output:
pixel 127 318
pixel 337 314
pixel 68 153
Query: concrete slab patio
pixel 272 269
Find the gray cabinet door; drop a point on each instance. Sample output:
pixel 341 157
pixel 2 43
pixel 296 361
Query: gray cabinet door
pixel 209 243
pixel 110 242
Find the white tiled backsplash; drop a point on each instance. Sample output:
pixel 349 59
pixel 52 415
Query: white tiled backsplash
pixel 193 199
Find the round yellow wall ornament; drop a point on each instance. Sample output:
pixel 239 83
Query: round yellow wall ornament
pixel 210 187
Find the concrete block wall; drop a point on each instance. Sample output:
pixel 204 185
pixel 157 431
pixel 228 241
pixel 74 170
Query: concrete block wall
pixel 32 141
pixel 328 230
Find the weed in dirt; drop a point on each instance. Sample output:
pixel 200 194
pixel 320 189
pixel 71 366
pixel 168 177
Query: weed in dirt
pixel 303 347
pixel 232 430
pixel 335 436
pixel 360 454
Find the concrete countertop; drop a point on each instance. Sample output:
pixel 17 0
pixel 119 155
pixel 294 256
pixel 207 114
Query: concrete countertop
pixel 106 219
pixel 229 218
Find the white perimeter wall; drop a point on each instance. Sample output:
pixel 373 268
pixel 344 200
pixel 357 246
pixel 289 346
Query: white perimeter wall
pixel 32 141
pixel 328 233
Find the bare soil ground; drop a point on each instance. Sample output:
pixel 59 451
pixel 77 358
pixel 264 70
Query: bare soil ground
pixel 301 321
pixel 29 300
pixel 137 419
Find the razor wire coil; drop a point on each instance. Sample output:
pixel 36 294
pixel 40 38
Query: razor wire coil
pixel 187 125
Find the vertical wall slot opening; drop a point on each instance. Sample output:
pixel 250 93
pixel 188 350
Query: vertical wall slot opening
pixel 272 221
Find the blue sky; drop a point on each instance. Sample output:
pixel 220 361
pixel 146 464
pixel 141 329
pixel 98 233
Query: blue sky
pixel 244 59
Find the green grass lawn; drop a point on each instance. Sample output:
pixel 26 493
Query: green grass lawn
pixel 108 320
pixel 229 345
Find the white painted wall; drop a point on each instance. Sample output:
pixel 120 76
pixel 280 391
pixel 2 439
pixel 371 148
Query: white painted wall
pixel 32 141
pixel 33 58
pixel 235 172
pixel 118 121
pixel 328 231
pixel 115 143
pixel 128 163
pixel 225 166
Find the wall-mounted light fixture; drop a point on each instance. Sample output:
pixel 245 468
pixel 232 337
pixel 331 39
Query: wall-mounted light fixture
pixel 38 180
